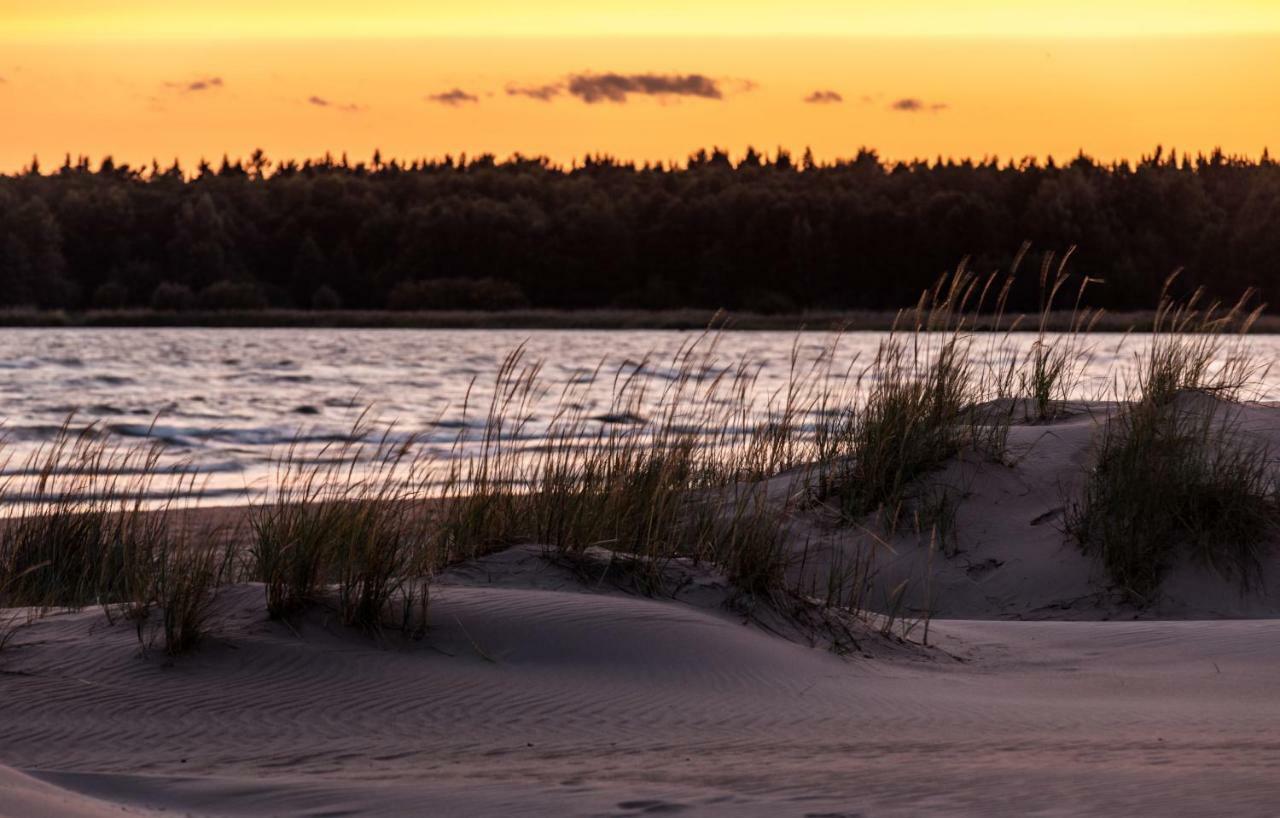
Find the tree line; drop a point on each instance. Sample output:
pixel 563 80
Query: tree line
pixel 759 233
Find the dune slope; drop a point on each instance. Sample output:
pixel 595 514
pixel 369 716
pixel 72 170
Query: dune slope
pixel 1010 557
pixel 537 695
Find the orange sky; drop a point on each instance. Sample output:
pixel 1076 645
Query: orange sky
pixel 135 79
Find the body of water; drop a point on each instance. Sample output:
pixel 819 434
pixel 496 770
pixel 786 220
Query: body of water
pixel 227 400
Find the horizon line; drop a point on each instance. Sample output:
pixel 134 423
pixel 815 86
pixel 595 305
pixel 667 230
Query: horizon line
pixel 465 159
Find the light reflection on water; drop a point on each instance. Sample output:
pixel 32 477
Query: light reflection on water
pixel 226 400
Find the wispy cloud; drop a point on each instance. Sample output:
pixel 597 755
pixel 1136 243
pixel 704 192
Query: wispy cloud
pixel 453 98
pixel 612 87
pixel 321 102
pixel 911 105
pixel 824 98
pixel 542 93
pixel 197 85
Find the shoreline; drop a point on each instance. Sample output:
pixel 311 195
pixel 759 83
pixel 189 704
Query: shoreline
pixel 540 319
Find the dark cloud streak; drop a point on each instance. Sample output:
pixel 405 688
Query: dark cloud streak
pixel 542 93
pixel 911 105
pixel 321 102
pixel 453 98
pixel 612 87
pixel 824 98
pixel 196 86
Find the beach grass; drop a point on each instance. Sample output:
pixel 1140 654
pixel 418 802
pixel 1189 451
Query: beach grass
pixel 687 463
pixel 1052 370
pixel 345 521
pixel 926 400
pixel 1175 472
pixel 95 522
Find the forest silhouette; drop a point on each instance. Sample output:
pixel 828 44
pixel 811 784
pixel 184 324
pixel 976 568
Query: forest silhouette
pixel 761 233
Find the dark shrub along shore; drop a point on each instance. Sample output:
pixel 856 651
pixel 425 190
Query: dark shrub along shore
pixel 762 234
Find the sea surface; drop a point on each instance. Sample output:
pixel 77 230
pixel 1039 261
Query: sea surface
pixel 226 402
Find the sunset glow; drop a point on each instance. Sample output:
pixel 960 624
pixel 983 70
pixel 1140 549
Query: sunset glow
pixel 139 80
pixel 398 18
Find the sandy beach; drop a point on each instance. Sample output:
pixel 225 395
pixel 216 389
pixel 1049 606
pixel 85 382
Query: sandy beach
pixel 536 696
pixel 997 670
pixel 539 691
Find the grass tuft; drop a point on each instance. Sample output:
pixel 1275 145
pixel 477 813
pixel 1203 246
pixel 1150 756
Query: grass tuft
pixel 926 402
pixel 1052 370
pixel 1174 472
pixel 92 523
pixel 346 521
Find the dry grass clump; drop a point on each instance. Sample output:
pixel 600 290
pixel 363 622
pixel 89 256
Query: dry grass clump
pixel 1052 369
pixel 291 536
pixel 91 524
pixel 346 520
pixel 1174 473
pixel 1197 348
pixel 185 571
pixel 907 427
pixel 480 506
pixel 385 556
pixel 653 477
pixel 1169 479
pixel 926 401
pixel 747 536
pixel 636 487
pixel 68 545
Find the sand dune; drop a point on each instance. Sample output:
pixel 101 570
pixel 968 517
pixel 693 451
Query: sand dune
pixel 1012 559
pixel 537 692
pixel 539 696
pixel 23 795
